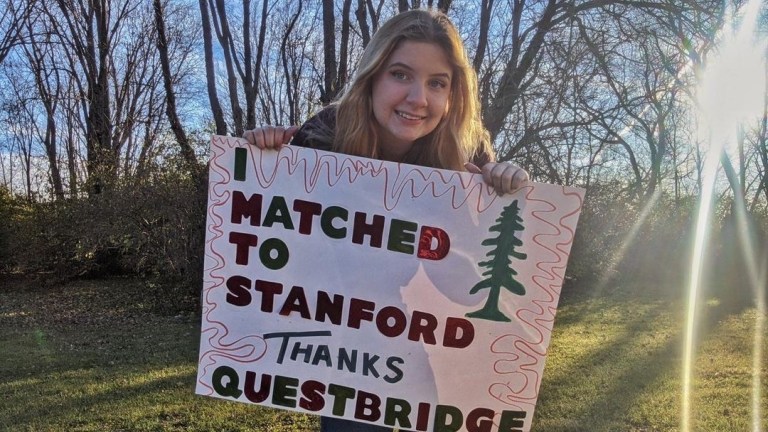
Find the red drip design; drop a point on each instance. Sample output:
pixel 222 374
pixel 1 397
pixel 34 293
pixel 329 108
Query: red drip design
pixel 401 181
pixel 523 354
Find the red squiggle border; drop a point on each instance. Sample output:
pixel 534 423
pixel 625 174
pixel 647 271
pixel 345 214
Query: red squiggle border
pixel 243 350
pixel 538 321
pixel 401 181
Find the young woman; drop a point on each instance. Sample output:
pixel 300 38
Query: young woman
pixel 413 100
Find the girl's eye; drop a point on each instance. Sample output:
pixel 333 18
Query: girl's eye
pixel 438 84
pixel 399 75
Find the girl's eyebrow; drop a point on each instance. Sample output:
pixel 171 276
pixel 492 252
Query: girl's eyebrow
pixel 405 66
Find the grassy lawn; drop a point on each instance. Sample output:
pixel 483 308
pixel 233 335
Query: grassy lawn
pixel 99 356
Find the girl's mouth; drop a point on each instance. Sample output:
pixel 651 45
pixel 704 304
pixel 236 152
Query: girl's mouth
pixel 409 116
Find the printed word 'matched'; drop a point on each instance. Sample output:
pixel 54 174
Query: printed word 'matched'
pixel 338 223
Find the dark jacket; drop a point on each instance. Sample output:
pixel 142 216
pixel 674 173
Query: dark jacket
pixel 326 120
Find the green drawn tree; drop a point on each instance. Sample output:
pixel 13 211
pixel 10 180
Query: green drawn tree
pixel 499 274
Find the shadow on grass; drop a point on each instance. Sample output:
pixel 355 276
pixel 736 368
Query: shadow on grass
pixel 616 359
pixel 595 389
pixel 95 356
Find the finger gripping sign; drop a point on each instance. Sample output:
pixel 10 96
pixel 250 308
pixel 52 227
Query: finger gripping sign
pixel 384 293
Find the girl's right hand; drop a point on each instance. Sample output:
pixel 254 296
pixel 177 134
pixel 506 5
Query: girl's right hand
pixel 270 137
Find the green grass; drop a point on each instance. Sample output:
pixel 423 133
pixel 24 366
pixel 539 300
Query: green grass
pixel 102 356
pixel 95 356
pixel 615 364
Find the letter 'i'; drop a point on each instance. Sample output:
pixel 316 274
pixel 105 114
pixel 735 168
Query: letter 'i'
pixel 241 155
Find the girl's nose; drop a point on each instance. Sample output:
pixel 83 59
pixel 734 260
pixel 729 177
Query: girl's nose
pixel 417 95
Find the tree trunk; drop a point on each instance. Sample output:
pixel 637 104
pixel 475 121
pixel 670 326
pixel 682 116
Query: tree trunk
pixel 170 98
pixel 329 90
pixel 221 24
pixel 251 97
pixel 210 74
pixel 102 161
pixel 482 42
pixel 509 90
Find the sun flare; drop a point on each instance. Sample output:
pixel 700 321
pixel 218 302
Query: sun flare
pixel 731 84
pixel 730 94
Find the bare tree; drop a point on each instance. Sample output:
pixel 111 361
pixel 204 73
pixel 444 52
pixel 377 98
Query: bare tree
pixel 335 73
pixel 486 8
pixel 210 74
pixel 48 84
pixel 13 20
pixel 528 40
pixel 88 31
pixel 244 68
pixel 170 97
pixel 291 66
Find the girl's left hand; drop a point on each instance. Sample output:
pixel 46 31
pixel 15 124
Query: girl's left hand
pixel 505 177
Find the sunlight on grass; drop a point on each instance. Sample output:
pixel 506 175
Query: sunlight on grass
pixel 615 365
pixel 605 352
pixel 723 386
pixel 730 93
pixel 129 382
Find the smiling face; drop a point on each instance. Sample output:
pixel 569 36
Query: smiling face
pixel 410 95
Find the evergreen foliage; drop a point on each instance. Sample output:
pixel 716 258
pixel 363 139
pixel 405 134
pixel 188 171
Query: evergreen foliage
pixel 499 273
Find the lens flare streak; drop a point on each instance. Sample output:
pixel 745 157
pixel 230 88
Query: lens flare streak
pixel 730 93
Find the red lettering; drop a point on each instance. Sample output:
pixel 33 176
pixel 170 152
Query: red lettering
pixel 296 302
pixel 422 418
pixel 242 207
pixel 253 395
pixel 244 243
pixel 397 327
pixel 480 420
pixel 238 294
pixel 307 210
pixel 367 406
pixel 360 310
pixel 423 327
pixel 451 337
pixel 327 308
pixel 442 246
pixel 312 395
pixel 361 228
pixel 268 291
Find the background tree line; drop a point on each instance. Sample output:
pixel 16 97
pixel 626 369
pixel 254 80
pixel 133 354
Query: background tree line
pixel 107 108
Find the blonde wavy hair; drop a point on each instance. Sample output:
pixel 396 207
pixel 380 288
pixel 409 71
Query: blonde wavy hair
pixel 458 137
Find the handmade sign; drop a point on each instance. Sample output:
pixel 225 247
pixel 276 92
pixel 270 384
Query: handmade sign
pixel 384 293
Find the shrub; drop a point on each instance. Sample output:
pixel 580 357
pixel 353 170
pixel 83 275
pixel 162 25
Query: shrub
pixel 151 229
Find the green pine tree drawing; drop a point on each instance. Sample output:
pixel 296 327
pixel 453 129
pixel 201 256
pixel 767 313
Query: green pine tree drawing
pixel 499 274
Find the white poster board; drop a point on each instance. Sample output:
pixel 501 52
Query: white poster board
pixel 379 292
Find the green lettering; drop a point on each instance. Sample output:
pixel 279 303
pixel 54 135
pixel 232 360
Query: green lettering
pixel 397 410
pixel 448 419
pixel 326 222
pixel 278 213
pixel 273 253
pixel 511 420
pixel 402 236
pixel 340 396
pixel 241 155
pixel 284 393
pixel 226 382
